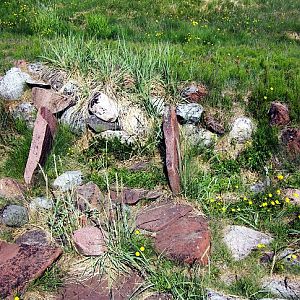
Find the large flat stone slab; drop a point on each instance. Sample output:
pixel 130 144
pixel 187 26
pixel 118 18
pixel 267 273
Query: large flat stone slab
pixel 41 144
pixel 171 138
pixel 187 240
pixel 20 264
pixel 159 215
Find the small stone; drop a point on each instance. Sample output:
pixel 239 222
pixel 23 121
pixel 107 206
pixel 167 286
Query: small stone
pixel 20 264
pixel 198 136
pixel 241 240
pixel 104 107
pixel 213 295
pixel 35 237
pixel 187 240
pixel 160 296
pixel 14 216
pixel 172 144
pixel 11 189
pixel 159 215
pixel 39 84
pixel 89 241
pixel 283 287
pixel 213 125
pixel 36 68
pixel 194 93
pixel 70 88
pixel 293 195
pixel 49 99
pixel 25 111
pixel 68 180
pixel 258 187
pixel 41 203
pixel 242 129
pixel 121 135
pixel 12 84
pixel 279 114
pixel 189 113
pixel 99 125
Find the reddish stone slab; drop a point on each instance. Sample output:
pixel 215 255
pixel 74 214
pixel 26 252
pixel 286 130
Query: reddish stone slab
pixel 20 264
pixel 187 240
pixel 49 99
pixel 279 114
pixel 171 138
pixel 11 189
pixel 42 138
pixel 132 196
pixel 89 241
pixel 158 216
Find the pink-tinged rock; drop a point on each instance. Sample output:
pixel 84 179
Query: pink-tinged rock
pixel 89 241
pixel 213 125
pixel 11 189
pixel 159 215
pixel 20 264
pixel 279 114
pixel 171 137
pixel 88 196
pixel 194 93
pixel 187 240
pixel 47 98
pixel 42 138
pixel 132 196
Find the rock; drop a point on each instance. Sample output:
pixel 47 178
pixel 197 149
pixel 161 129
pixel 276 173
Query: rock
pixel 38 84
pixel 260 186
pixel 35 237
pixel 70 88
pixel 189 113
pixel 213 125
pixel 160 296
pixel 89 196
pixel 158 105
pixel 104 107
pixel 41 144
pixel 290 258
pixel 36 68
pixel 283 287
pixel 198 136
pixel 288 135
pixel 68 180
pixel 20 264
pixel 213 295
pixel 133 120
pixel 13 84
pixel 121 135
pixel 55 77
pixel 241 240
pixel 293 195
pixel 294 145
pixel 159 215
pixel 89 241
pixel 11 189
pixel 14 216
pixel 187 240
pixel 194 93
pixel 279 114
pixel 25 111
pixel 172 144
pixel 39 203
pixel 132 196
pixel 139 166
pixel 99 125
pixel 76 118
pixel 54 102
pixel 242 129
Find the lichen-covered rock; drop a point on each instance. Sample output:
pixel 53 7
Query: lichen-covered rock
pixel 14 216
pixel 198 136
pixel 189 113
pixel 242 129
pixel 121 135
pixel 39 203
pixel 13 84
pixel 283 287
pixel 68 180
pixel 26 112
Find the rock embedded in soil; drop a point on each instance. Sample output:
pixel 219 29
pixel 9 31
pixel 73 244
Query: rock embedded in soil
pixel 189 113
pixel 11 189
pixel 104 107
pixel 293 145
pixel 213 295
pixel 41 203
pixel 172 145
pixel 14 216
pixel 53 101
pixel 36 237
pixel 283 287
pixel 242 129
pixel 159 296
pixel 293 195
pixel 42 138
pixel 198 136
pixel 187 240
pixel 279 114
pixel 12 84
pixel 99 125
pixel 158 216
pixel 121 135
pixel 68 180
pixel 194 93
pixel 26 112
pixel 20 264
pixel 242 240
pixel 213 125
pixel 89 241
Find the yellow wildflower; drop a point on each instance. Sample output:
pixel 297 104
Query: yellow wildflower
pixel 245 198
pixel 16 298
pixel 296 195
pixel 280 177
pixel 142 248
pixel 272 202
pixel 264 204
pixel 270 195
pixel 277 202
pixel 287 200
pixel 278 192
pixel 250 202
pixel 271 88
pixel 137 231
pixel 294 256
pixel 265 97
pixel 233 209
pixel 260 246
pixel 137 253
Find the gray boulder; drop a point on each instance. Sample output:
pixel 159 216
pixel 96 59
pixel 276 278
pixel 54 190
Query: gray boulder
pixel 283 287
pixel 76 118
pixel 189 113
pixel 13 84
pixel 68 180
pixel 15 216
pixel 25 111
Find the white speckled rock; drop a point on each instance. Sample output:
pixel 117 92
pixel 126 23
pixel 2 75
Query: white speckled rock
pixel 41 203
pixel 283 287
pixel 15 216
pixel 104 107
pixel 189 113
pixel 242 129
pixel 213 295
pixel 13 84
pixel 198 136
pixel 241 240
pixel 123 136
pixel 68 180
pixel 25 111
